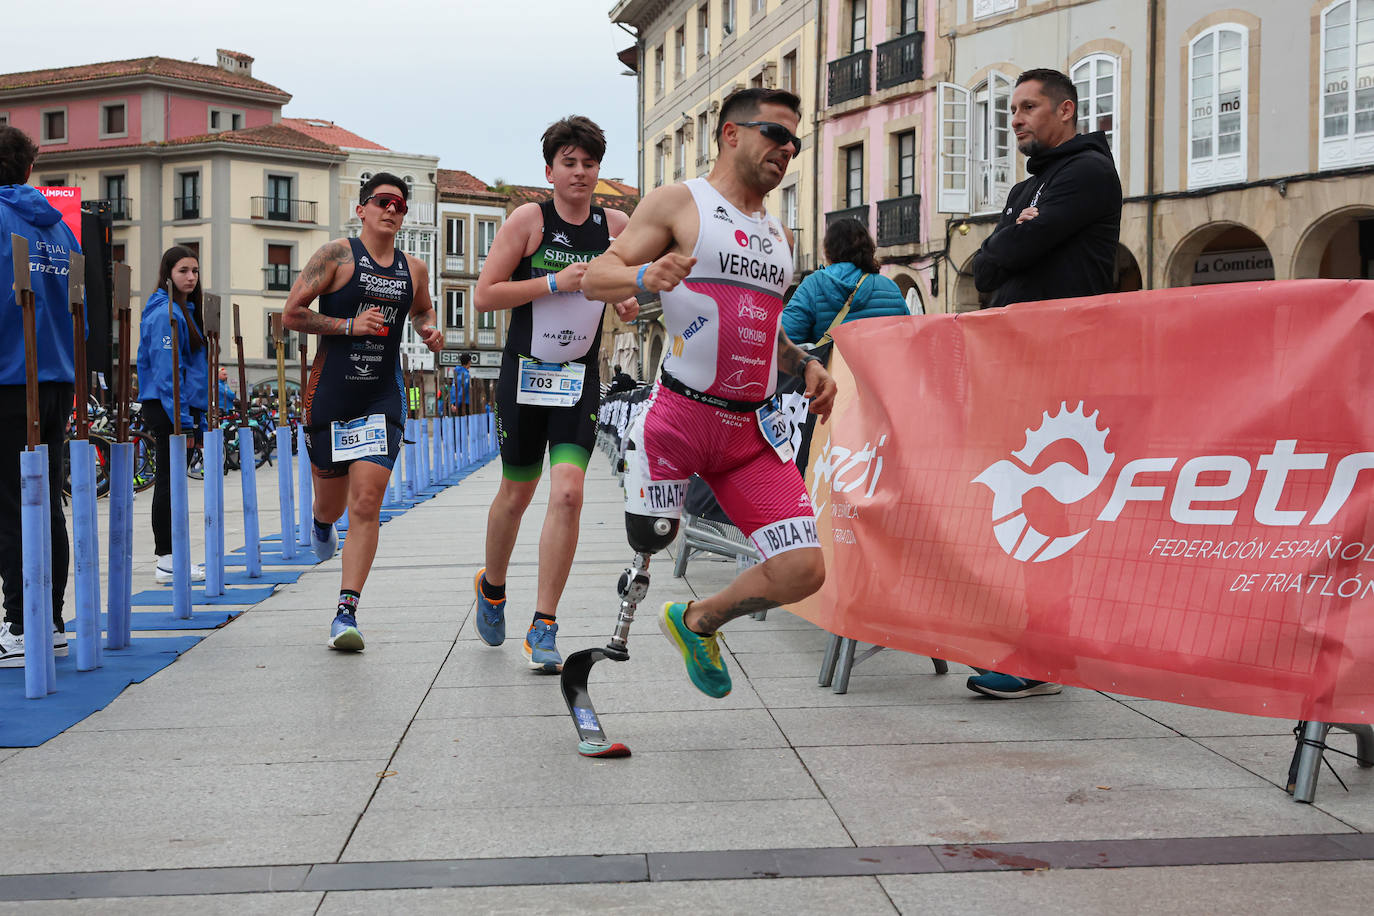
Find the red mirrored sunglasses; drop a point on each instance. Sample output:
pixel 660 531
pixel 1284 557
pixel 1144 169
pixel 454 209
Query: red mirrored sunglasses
pixel 385 200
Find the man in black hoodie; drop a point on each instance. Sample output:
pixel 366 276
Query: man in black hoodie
pixel 1056 239
pixel 1057 236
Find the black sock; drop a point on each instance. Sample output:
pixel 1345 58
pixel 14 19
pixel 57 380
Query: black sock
pixel 348 601
pixel 321 528
pixel 549 617
pixel 493 592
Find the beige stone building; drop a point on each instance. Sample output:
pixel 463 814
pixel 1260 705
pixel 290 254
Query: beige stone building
pixel 1244 134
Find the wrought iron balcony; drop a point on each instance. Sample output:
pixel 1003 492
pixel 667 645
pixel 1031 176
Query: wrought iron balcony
pixel 899 220
pixel 278 277
pixel 121 208
pixel 849 77
pixel 899 60
pixel 859 213
pixel 280 208
pixel 186 207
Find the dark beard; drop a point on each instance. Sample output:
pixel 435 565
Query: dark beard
pixel 1031 148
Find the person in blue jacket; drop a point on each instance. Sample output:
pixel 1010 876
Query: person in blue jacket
pixel 227 398
pixel 850 251
pixel 181 267
pixel 25 212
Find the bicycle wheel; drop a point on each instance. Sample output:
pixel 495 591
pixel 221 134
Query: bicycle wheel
pixel 263 446
pixel 145 459
pixel 195 462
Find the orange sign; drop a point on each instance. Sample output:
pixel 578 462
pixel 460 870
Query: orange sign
pixel 67 201
pixel 1167 494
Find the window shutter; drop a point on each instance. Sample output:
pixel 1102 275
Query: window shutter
pixel 952 150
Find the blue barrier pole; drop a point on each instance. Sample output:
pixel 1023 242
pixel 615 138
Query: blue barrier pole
pixel 117 599
pixel 248 476
pixel 436 454
pixel 42 640
pixel 83 505
pixel 422 454
pixel 214 511
pixel 284 494
pixel 305 496
pixel 412 436
pixel 33 484
pixel 181 530
pixel 93 538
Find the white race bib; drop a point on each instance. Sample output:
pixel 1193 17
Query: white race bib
pixel 549 384
pixel 353 439
pixel 776 427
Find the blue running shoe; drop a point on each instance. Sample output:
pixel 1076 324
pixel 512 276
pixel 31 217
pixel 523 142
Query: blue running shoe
pixel 324 547
pixel 701 653
pixel 1010 687
pixel 491 615
pixel 540 651
pixel 344 634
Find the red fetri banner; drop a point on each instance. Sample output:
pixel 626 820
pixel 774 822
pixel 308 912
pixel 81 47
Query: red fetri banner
pixel 66 201
pixel 1165 494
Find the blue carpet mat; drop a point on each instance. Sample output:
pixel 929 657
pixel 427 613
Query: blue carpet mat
pixel 28 723
pixel 270 558
pixel 163 597
pixel 165 620
pixel 268 577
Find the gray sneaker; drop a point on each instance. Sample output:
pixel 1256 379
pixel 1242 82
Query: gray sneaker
pixel 11 648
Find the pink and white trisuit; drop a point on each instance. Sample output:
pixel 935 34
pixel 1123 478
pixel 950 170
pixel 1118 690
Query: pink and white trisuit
pixel 723 320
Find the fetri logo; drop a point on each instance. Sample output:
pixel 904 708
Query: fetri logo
pixel 1210 490
pixel 1011 481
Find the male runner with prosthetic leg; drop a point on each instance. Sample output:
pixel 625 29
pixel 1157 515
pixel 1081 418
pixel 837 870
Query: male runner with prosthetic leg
pixel 549 388
pixel 354 403
pixel 720 266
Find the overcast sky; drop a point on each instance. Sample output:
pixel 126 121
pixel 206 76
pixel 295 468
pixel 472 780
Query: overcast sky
pixel 472 83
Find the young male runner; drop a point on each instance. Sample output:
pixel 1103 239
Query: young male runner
pixel 549 388
pixel 354 405
pixel 720 266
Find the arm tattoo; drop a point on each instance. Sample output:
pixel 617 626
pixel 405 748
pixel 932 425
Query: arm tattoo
pixel 712 622
pixel 789 355
pixel 315 277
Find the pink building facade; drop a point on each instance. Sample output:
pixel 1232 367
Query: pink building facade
pixel 878 133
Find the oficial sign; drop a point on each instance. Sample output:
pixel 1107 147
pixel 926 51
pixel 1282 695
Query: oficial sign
pixel 1168 494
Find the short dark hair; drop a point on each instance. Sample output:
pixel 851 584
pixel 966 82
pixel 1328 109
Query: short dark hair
pixel 465 358
pixel 577 132
pixel 744 104
pixel 17 153
pixel 1054 84
pixel 381 178
pixel 848 240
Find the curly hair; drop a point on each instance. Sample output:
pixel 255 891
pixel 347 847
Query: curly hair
pixel 848 240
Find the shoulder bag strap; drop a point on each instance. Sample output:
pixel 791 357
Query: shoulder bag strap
pixel 839 317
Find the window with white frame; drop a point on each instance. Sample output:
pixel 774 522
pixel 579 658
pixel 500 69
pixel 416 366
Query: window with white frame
pixel 985 8
pixel 703 138
pixel 991 165
pixel 486 321
pixel 679 153
pixel 1097 78
pixel 660 78
pixel 1217 73
pixel 454 229
pixel 455 308
pixel 858 25
pixel 952 149
pixel 854 175
pixel 486 234
pixel 680 52
pixel 660 161
pixel 789 71
pixel 703 29
pixel 905 148
pixel 727 17
pixel 789 206
pixel 1347 79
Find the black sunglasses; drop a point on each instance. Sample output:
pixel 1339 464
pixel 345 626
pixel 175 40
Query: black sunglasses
pixel 775 132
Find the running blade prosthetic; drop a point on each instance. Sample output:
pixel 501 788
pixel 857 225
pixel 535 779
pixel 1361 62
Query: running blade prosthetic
pixel 576 670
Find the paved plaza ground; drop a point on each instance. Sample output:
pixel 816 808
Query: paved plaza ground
pixel 263 773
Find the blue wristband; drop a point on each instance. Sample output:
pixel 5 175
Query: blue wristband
pixel 639 280
pixel 553 284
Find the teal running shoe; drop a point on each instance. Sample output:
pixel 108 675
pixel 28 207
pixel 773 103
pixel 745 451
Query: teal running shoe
pixel 344 634
pixel 539 647
pixel 491 615
pixel 701 653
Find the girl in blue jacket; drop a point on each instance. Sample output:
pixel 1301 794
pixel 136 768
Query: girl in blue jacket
pixel 181 267
pixel 850 250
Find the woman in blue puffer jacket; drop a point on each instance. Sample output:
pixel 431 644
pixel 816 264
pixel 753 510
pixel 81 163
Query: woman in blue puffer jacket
pixel 850 250
pixel 181 267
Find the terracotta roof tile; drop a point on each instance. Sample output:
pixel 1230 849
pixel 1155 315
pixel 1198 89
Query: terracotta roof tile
pixel 616 186
pixel 523 193
pixel 329 132
pixel 456 181
pixel 142 66
pixel 273 135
